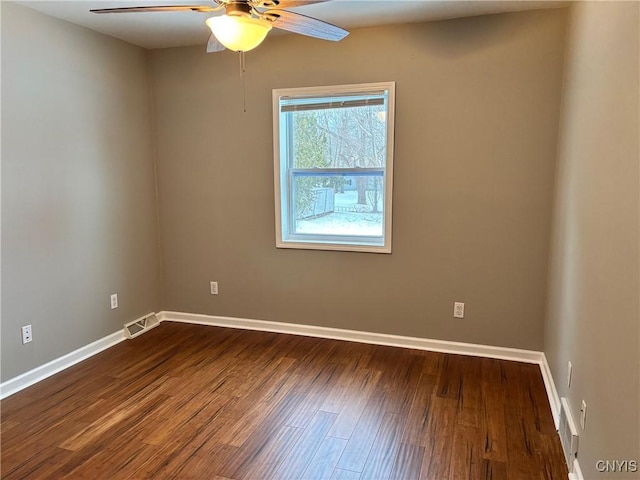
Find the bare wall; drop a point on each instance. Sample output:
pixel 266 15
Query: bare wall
pixel 78 201
pixel 594 308
pixel 476 124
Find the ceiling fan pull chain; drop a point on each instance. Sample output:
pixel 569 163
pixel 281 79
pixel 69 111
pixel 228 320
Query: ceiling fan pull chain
pixel 241 59
pixel 244 86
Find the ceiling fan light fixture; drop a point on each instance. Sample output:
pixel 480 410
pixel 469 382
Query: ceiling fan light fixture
pixel 238 32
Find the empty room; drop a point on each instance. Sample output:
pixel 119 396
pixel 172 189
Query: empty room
pixel 330 239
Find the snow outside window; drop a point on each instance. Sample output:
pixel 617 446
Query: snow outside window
pixel 333 149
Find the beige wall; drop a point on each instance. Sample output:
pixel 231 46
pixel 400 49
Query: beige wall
pixel 594 317
pixel 78 204
pixel 478 102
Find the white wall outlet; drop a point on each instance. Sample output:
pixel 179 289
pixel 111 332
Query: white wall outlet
pixel 26 334
pixel 569 370
pixel 458 310
pixel 114 301
pixel 583 414
pixel 214 288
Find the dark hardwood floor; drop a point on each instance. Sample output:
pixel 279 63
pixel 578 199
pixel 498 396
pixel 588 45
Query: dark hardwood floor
pixel 196 402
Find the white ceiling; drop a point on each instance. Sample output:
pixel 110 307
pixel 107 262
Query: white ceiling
pixel 177 29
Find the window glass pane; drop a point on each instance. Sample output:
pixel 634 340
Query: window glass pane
pixel 347 137
pixel 333 149
pixel 350 205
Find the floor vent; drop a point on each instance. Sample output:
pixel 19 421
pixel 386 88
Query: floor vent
pixel 568 434
pixel 141 325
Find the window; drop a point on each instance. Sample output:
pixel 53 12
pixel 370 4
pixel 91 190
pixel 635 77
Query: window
pixel 333 149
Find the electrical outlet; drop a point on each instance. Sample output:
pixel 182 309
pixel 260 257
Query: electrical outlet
pixel 27 336
pixel 114 301
pixel 583 414
pixel 214 288
pixel 569 370
pixel 458 310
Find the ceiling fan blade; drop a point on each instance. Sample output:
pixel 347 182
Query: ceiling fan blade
pixel 285 3
pixel 158 8
pixel 312 27
pixel 213 45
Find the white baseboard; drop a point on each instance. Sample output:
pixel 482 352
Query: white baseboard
pixel 503 353
pixel 27 379
pixel 552 393
pixel 577 473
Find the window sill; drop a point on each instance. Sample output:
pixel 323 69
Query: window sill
pixel 341 247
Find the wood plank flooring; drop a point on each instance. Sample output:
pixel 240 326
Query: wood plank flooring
pixel 195 402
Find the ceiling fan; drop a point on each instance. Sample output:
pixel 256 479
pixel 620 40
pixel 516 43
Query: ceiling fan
pixel 245 23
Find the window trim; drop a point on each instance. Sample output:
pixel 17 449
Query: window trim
pixel 346 243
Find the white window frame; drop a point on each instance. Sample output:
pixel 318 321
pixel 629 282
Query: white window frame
pixel 283 175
